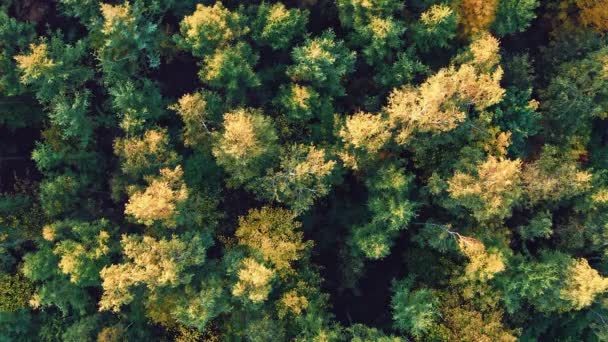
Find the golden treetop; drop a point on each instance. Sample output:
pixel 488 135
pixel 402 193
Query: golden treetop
pixel 492 190
pixel 254 281
pixel 477 15
pixel 594 13
pixel 293 302
pixel 482 265
pixel 436 14
pixel 240 138
pixel 583 284
pixel 116 14
pixel 211 23
pixel 274 234
pixel 35 64
pixel 439 104
pixel 159 200
pixel 365 131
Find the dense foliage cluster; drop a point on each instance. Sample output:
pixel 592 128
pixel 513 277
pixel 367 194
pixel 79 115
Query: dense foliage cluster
pixel 305 170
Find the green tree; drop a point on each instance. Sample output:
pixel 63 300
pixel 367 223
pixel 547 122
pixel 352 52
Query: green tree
pixel 56 72
pixel 514 16
pixel 276 26
pixel 414 311
pixel 230 69
pixel 575 96
pixel 353 13
pixel 323 62
pixel 15 292
pixel 436 28
pixel 16 36
pixel 390 211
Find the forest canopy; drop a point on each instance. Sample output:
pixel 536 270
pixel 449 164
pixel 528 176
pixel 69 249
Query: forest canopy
pixel 304 170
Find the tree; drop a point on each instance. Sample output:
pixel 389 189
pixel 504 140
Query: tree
pixel 15 292
pixel 582 284
pixel 390 211
pixel 61 194
pixel 517 114
pixel 483 264
pixel 143 155
pixel 554 283
pixel 231 69
pixel 405 68
pixel 197 110
pixel 274 234
pixel 138 103
pixel 492 191
pixel 464 322
pixel 362 333
pixel 210 28
pixel 303 176
pixel 575 96
pixel 197 309
pixel 83 249
pixel 477 15
pixel 254 281
pixel 364 135
pixel 594 13
pixel 414 311
pixel 246 144
pixel 16 36
pixel 439 104
pixel 540 226
pixel 554 177
pixel 36 64
pixel 161 200
pixel 514 16
pixel 130 37
pixel 379 39
pixel 322 62
pixel 292 302
pixel 277 26
pixel 353 13
pixel 436 28
pixel 299 102
pixel 151 262
pixel 55 70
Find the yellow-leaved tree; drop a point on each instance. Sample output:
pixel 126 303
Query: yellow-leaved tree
pixel 34 64
pixel 142 155
pixel 364 135
pixel 150 262
pixel 594 13
pixel 210 27
pixel 492 191
pixel 441 103
pixel 254 281
pixel 159 201
pixel 477 15
pixel 274 234
pixel 245 145
pixel 554 177
pixel 583 284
